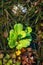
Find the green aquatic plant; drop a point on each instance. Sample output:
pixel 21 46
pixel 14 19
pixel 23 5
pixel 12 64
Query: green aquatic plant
pixel 19 38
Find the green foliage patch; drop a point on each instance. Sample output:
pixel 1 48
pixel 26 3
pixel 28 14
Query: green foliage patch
pixel 18 37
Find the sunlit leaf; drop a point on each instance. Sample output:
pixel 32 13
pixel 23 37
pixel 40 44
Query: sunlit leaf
pixel 23 43
pixel 18 37
pixel 18 28
pixel 13 35
pixel 28 30
pixel 22 34
pixel 12 43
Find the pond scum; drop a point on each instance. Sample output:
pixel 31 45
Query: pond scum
pixel 21 32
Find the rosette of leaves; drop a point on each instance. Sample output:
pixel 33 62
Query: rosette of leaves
pixel 19 38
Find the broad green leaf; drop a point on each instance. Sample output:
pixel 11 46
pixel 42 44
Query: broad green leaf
pixel 18 37
pixel 12 43
pixel 23 43
pixel 22 34
pixel 13 35
pixel 29 36
pixel 18 28
pixel 28 30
